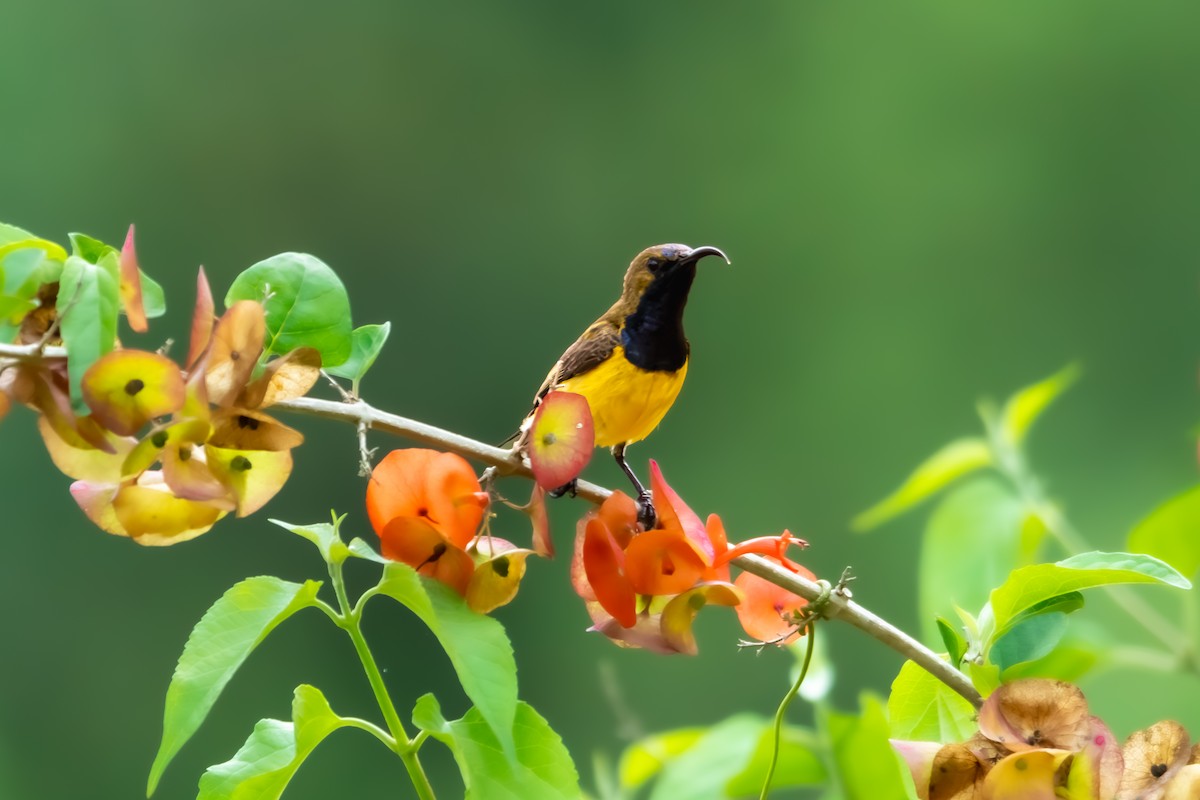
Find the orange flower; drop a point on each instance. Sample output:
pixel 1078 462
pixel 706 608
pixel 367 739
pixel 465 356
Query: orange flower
pixel 644 588
pixel 426 508
pixel 768 611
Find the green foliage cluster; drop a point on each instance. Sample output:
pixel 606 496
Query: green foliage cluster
pixel 504 749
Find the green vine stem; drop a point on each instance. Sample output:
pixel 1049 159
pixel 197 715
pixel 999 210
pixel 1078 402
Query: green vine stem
pixel 783 707
pixel 406 748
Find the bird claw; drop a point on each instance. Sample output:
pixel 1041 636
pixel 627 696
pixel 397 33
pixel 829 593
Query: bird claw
pixel 646 514
pixel 567 488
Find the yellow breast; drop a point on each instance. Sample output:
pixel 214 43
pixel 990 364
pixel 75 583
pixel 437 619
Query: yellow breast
pixel 627 403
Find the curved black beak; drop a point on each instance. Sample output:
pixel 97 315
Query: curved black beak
pixel 701 252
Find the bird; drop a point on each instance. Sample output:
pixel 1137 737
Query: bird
pixel 631 362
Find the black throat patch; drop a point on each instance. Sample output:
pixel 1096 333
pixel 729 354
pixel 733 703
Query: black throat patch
pixel 653 334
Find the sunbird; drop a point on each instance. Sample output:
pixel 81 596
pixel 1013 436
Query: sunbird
pixel 630 363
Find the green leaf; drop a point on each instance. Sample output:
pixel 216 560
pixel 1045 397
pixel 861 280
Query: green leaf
pixel 88 303
pixel 154 302
pixel 1069 661
pixel 1028 586
pixel 90 249
pixel 217 646
pixel 922 707
pixel 1024 407
pixel 984 677
pixel 982 518
pixel 542 768
pixel 365 344
pixel 1028 640
pixel 955 643
pixel 11 233
pixel 867 767
pixel 1172 532
pixel 360 549
pixel 956 459
pixel 265 764
pixel 799 763
pixel 645 758
pixel 477 646
pixel 306 305
pixel 23 271
pixel 721 755
pixel 324 536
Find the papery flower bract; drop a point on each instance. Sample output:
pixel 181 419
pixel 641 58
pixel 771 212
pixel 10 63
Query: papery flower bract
pixel 674 514
pixel 644 589
pixel 252 476
pixel 1036 713
pixel 440 488
pixel 426 507
pixel 413 541
pixel 203 320
pixel 561 439
pixel 1025 775
pixel 539 518
pixel 127 388
pixel 499 568
pixel 130 287
pixel 603 558
pixel 233 350
pixel 1153 756
pixel 768 611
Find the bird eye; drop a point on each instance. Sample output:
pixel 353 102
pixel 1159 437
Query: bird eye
pixel 653 264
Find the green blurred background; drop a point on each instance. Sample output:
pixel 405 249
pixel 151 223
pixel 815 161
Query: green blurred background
pixel 924 203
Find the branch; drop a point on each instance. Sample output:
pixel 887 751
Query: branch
pixel 507 462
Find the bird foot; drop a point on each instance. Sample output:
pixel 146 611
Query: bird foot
pixel 646 514
pixel 566 488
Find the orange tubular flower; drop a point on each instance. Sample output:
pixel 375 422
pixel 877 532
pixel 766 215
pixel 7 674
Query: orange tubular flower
pixel 426 507
pixel 644 588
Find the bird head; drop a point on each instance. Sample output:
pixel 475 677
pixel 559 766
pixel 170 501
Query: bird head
pixel 665 264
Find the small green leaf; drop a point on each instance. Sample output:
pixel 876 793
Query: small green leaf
pixel 541 770
pixel 306 305
pixel 956 459
pixel 154 302
pixel 360 549
pixel 90 249
pixel 721 755
pixel 866 764
pixel 477 646
pixel 324 536
pixel 88 303
pixel 955 643
pixel 1028 640
pixel 23 272
pixel 1024 407
pixel 922 707
pixel 1172 532
pixel 217 646
pixel 985 677
pixel 1028 586
pixel 11 233
pixel 645 758
pixel 365 344
pixel 981 516
pixel 265 764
